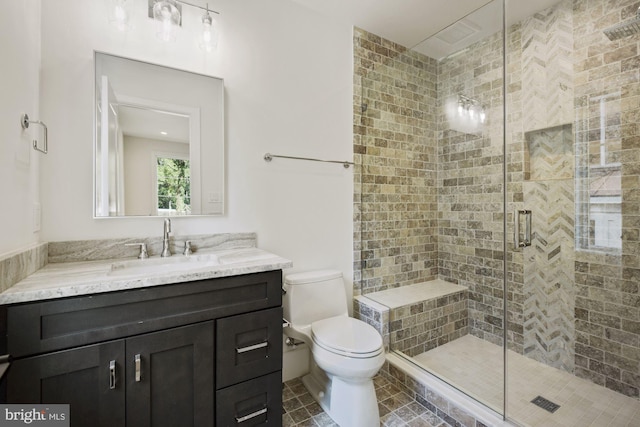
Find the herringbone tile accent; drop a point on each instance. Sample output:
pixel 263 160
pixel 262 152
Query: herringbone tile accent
pixel 551 153
pixel 549 331
pixel 547 82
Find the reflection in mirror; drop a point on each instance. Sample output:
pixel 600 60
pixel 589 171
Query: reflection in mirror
pixel 155 127
pixel 599 177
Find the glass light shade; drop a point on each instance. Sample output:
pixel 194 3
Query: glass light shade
pixel 119 14
pixel 167 17
pixel 209 36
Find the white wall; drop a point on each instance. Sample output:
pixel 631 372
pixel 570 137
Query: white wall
pixel 288 89
pixel 20 53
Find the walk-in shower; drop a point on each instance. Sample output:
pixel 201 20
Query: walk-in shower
pixel 498 206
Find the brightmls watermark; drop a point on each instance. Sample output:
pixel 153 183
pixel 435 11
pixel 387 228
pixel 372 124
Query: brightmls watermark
pixel 34 415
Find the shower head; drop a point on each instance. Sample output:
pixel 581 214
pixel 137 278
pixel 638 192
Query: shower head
pixel 624 29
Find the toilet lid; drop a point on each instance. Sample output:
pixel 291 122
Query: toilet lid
pixel 343 334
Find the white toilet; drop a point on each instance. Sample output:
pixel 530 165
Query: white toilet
pixel 347 352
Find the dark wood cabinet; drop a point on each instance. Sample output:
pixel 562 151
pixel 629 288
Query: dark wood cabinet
pixel 79 377
pixel 173 355
pixel 170 377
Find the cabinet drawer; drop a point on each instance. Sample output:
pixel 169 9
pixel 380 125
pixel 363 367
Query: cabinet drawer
pixel 46 326
pixel 252 403
pixel 248 346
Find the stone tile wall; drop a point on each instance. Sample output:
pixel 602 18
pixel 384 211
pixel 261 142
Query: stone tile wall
pixel 470 189
pixel 425 325
pixel 417 327
pixel 374 314
pixel 395 152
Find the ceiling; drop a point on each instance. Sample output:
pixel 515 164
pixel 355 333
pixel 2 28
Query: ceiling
pixel 409 22
pixel 153 124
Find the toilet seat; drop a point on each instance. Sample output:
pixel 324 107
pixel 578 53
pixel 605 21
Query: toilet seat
pixel 347 336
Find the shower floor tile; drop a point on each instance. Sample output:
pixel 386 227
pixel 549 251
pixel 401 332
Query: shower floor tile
pixel 475 367
pixel 396 407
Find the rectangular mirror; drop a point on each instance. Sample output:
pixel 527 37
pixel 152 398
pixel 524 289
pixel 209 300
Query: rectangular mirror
pixel 159 140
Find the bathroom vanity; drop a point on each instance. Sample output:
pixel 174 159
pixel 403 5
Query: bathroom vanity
pixel 184 352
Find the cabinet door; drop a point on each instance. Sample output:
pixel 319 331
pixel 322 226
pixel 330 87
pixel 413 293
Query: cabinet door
pixel 90 379
pixel 170 377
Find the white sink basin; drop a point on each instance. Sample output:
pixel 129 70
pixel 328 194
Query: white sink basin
pixel 173 264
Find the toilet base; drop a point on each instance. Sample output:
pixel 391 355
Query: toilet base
pixel 348 403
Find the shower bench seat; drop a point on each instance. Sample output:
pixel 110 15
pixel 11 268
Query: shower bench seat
pixel 416 318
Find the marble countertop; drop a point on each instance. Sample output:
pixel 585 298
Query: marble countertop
pixel 68 279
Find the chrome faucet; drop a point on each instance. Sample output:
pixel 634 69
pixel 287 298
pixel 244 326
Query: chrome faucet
pixel 165 240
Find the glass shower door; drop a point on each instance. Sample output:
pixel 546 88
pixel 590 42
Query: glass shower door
pixel 573 151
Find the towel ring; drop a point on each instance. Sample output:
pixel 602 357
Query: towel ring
pixel 24 121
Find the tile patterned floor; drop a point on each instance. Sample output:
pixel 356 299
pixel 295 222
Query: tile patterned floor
pixel 397 408
pixel 475 366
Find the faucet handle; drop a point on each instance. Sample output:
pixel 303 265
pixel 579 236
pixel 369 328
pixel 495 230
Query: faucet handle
pixel 143 249
pixel 187 248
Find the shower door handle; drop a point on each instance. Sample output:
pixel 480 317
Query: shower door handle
pixel 519 240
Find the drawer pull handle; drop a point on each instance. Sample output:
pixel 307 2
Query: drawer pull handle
pixel 251 415
pixel 112 375
pixel 138 363
pixel 252 347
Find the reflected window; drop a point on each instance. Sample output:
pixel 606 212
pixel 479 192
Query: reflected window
pixel 598 184
pixel 174 186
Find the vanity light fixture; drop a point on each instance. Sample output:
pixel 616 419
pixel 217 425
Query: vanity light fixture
pixel 168 17
pixel 470 109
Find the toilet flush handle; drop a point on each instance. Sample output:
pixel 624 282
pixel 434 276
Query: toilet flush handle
pixel 293 343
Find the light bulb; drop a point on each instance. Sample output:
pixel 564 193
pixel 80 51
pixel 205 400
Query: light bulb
pixel 119 14
pixel 209 36
pixel 483 116
pixel 167 16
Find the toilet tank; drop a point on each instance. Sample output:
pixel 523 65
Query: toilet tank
pixel 314 295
